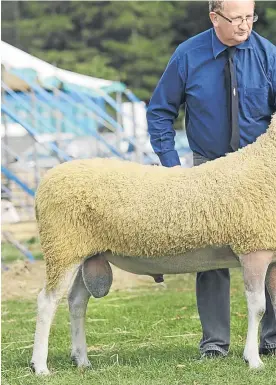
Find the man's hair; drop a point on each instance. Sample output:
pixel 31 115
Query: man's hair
pixel 216 5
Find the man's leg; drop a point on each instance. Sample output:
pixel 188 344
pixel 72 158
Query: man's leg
pixel 268 329
pixel 213 302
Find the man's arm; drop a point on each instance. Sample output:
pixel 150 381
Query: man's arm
pixel 163 109
pixel 273 80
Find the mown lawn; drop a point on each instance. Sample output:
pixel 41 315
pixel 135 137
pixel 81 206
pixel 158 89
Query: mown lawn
pixel 143 336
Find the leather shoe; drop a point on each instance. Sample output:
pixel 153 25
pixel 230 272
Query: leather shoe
pixel 267 351
pixel 212 354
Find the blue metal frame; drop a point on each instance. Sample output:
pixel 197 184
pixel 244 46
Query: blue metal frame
pixel 23 249
pixel 55 103
pixel 18 181
pixel 34 134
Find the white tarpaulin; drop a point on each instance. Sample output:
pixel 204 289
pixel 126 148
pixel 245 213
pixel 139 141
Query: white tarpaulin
pixel 14 58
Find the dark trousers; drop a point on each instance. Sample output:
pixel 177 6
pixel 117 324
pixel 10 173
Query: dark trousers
pixel 213 302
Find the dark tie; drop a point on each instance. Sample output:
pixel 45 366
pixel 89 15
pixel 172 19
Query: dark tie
pixel 232 98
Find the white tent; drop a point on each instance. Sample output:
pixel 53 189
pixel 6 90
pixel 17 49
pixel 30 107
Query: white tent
pixel 14 58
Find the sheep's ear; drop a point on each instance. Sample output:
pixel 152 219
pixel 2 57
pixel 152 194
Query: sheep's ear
pixel 97 276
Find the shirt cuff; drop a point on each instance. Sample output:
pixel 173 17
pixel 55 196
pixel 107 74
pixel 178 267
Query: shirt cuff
pixel 169 159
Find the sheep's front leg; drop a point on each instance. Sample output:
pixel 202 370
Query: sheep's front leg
pixel 78 299
pixel 254 267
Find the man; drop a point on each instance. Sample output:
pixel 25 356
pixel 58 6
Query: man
pixel 230 95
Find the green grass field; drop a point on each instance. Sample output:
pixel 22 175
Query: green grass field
pixel 143 336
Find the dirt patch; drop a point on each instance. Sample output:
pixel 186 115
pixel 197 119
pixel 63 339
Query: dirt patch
pixel 24 279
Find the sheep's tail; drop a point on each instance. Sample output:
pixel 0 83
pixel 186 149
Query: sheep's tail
pixel 59 281
pixel 57 269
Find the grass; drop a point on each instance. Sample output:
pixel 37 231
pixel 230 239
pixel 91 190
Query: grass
pixel 139 337
pixel 10 253
pixel 24 232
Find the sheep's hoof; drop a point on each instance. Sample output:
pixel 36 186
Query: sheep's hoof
pixel 97 276
pixel 43 371
pixel 256 363
pixel 81 363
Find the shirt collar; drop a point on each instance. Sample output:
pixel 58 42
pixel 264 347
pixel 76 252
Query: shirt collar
pixel 219 47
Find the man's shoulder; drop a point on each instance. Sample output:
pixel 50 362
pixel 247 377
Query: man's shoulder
pixel 203 39
pixel 260 42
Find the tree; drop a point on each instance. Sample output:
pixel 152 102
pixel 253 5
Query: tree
pixel 127 41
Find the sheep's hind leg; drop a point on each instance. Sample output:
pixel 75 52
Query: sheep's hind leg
pixel 47 302
pixel 78 299
pixel 254 267
pixel 93 278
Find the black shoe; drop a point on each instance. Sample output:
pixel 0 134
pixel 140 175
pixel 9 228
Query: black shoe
pixel 212 354
pixel 267 351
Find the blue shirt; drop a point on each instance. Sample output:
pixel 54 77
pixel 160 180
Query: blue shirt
pixel 195 77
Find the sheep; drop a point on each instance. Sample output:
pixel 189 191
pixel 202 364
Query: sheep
pixel 155 220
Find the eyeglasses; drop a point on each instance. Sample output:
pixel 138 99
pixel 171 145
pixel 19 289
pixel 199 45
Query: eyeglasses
pixel 239 20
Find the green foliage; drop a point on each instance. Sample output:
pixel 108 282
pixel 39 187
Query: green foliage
pixel 128 41
pixel 270 28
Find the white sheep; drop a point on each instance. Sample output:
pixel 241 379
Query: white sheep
pixel 154 220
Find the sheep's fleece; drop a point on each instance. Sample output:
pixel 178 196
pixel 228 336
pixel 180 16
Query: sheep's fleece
pixel 85 207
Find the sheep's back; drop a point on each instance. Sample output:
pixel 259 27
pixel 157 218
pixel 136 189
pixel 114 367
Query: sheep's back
pixel 146 210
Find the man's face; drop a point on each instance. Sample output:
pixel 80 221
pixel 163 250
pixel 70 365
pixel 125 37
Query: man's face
pixel 233 34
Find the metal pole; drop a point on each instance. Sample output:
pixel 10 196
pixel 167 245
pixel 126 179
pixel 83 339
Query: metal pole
pixel 89 120
pixel 97 144
pixel 138 152
pixel 5 139
pixel 35 149
pixel 18 245
pixel 119 119
pixel 58 120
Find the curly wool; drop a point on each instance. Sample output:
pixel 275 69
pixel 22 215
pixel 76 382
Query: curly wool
pixel 85 207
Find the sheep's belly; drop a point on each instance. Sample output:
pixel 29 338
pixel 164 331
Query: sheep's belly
pixel 204 259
